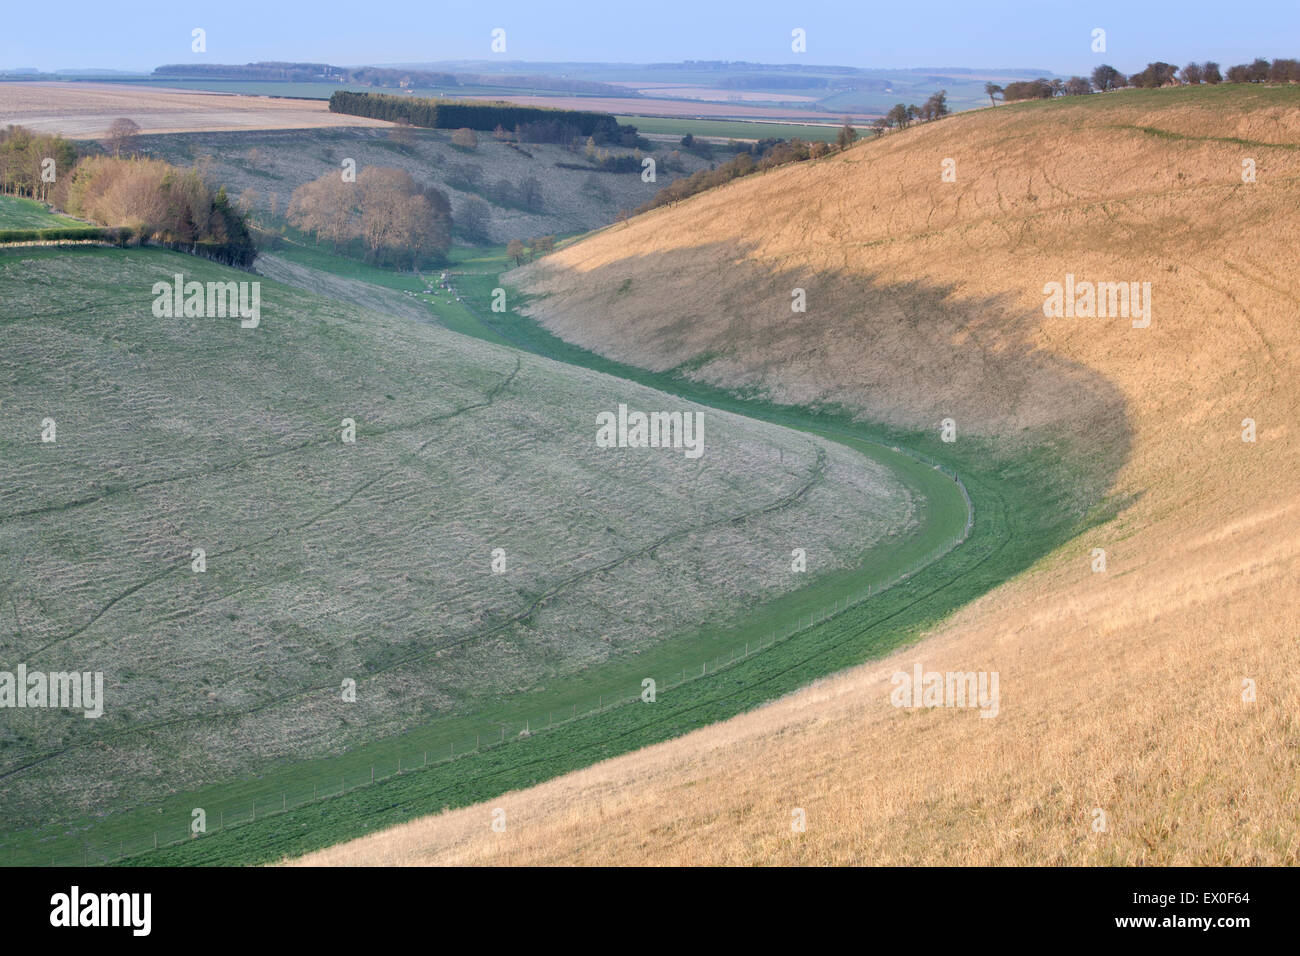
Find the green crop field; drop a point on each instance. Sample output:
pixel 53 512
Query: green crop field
pixel 19 213
pixel 329 561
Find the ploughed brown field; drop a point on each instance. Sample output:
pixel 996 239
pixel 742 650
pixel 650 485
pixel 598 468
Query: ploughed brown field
pixel 1123 692
pixel 86 110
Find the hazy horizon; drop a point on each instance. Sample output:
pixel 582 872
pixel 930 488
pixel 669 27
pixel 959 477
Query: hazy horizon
pixel 1005 36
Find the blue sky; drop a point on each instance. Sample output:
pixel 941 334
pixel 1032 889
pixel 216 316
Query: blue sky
pixel 1048 34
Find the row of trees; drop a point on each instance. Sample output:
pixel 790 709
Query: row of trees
pixel 381 76
pixel 532 121
pixel 900 116
pixel 397 221
pixel 1105 78
pixel 23 157
pixel 148 198
pixel 274 70
pixel 1262 71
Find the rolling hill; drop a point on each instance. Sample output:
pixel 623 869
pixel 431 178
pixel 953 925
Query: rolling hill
pixel 1148 663
pixel 232 524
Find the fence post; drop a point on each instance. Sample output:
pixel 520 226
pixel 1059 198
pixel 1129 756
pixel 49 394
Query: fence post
pixel 372 773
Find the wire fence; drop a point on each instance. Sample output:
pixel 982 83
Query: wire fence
pixel 499 736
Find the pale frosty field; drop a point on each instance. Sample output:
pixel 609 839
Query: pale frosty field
pixel 328 561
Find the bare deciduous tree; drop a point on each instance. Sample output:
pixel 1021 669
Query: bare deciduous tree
pixel 121 135
pixel 398 220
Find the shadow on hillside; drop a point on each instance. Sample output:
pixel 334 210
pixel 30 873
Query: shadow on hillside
pixel 898 357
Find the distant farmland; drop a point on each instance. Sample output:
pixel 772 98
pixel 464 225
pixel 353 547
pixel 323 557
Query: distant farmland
pixel 86 110
pixel 289 105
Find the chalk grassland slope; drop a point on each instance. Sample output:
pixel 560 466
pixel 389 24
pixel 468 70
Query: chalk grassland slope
pixel 86 110
pixel 327 561
pixel 274 164
pixel 1148 712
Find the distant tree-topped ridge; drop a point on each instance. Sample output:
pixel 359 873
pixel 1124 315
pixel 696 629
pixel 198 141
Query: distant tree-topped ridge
pixel 307 72
pixel 382 76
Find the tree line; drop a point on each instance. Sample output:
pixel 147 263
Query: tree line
pixel 387 77
pixel 1158 74
pixel 163 203
pixel 141 199
pixel 535 121
pixel 275 71
pixel 900 116
pixel 23 155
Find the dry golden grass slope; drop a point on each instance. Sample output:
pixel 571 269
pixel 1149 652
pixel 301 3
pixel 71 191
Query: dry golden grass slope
pixel 1121 691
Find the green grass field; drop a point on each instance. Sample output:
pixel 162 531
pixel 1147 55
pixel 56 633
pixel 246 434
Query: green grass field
pixel 733 129
pixel 262 629
pixel 19 213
